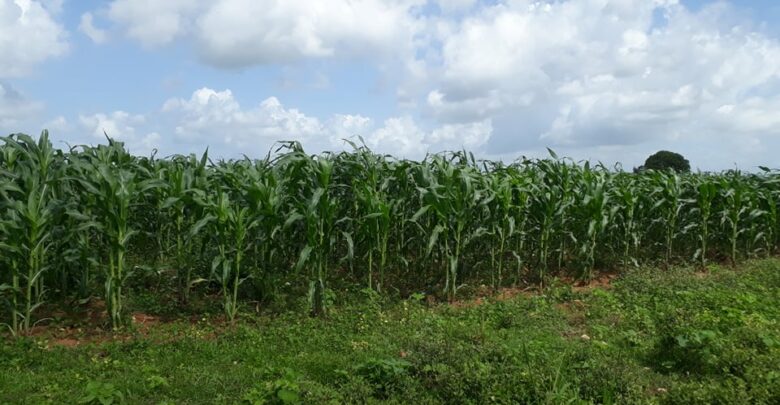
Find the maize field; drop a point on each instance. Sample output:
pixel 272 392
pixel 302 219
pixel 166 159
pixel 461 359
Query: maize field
pixel 85 222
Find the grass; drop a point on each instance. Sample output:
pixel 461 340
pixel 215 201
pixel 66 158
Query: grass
pixel 651 336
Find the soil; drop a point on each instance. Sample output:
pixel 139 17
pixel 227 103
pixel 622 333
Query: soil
pixel 87 323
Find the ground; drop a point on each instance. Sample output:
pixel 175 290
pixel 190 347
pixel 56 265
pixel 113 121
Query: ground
pixel 647 336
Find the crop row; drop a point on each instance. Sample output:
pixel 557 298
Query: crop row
pixel 249 228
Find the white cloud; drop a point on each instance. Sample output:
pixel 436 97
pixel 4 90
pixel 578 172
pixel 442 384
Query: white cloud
pixel 122 126
pixel 28 36
pixel 455 6
pixel 57 125
pixel 119 124
pixel 153 22
pixel 87 27
pixel 613 77
pixel 593 74
pixel 471 136
pixel 239 33
pixel 346 126
pixel 245 32
pixel 403 137
pixel 400 136
pixel 215 119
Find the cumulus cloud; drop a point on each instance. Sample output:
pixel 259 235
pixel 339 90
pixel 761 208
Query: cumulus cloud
pixel 30 35
pixel 454 6
pixel 154 23
pixel 245 32
pixel 122 126
pixel 215 118
pixel 607 73
pixel 607 79
pixel 87 27
pixel 57 125
pixel 240 33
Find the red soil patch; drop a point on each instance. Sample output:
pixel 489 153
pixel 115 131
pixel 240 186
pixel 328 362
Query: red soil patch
pixel 603 281
pixel 65 342
pixel 486 293
pixel 144 321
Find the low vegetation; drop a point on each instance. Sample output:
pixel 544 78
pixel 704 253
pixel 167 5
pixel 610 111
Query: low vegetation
pixel 674 336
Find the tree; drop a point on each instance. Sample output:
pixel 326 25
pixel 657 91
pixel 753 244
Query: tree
pixel 664 160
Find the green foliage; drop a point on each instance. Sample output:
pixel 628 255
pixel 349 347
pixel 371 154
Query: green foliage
pixel 665 160
pixel 675 336
pixel 101 393
pixel 284 390
pixel 290 228
pixel 383 375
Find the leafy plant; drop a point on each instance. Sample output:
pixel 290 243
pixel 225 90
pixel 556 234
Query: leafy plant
pixel 101 393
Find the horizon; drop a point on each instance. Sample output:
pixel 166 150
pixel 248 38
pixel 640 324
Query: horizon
pixel 609 81
pixel 276 148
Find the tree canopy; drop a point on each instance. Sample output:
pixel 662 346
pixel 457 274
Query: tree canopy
pixel 664 160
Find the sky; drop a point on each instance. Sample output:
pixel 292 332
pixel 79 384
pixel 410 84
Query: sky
pixel 601 80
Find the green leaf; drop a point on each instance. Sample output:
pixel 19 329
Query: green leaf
pixel 303 257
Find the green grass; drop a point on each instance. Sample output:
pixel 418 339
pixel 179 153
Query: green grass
pixel 654 337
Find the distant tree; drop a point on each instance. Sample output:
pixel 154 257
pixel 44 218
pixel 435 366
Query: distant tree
pixel 664 160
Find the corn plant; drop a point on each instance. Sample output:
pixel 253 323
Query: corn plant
pixel 263 193
pixel 770 198
pixel 316 208
pixel 291 221
pixel 734 194
pixel 628 203
pixel 375 211
pixel 230 225
pixel 108 176
pixel 707 192
pixel 548 210
pixel 596 215
pixel 668 193
pixel 501 223
pixel 185 177
pixel 452 196
pixel 28 223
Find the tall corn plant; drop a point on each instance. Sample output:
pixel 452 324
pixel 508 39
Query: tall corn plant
pixel 769 194
pixel 370 185
pixel 707 191
pixel 263 193
pixel 734 210
pixel 627 190
pixel 109 176
pixel 405 203
pixel 595 213
pixel 502 226
pixel 27 224
pixel 452 196
pixel 520 204
pixel 230 225
pixel 185 176
pixel 316 208
pixel 548 206
pixel 668 193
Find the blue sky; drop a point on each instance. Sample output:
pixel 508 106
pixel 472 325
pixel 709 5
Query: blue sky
pixel 604 80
